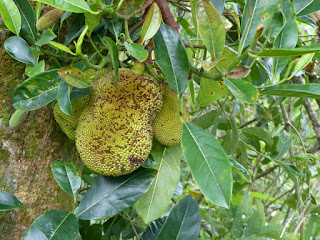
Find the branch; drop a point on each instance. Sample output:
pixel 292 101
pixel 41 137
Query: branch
pixel 167 15
pixel 265 173
pixel 140 9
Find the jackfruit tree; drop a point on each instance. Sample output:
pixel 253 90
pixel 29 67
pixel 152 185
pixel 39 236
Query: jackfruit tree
pixel 194 119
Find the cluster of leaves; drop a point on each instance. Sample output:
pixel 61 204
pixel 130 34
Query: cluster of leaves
pixel 236 63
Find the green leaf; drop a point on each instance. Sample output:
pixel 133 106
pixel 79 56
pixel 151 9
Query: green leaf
pixel 301 63
pixel 76 28
pixel 244 91
pixel 55 225
pixel 292 171
pixel 18 48
pixel 309 90
pixel 8 201
pixel 109 196
pixel 10 15
pixel 151 23
pixel 293 52
pixel 258 133
pixel 238 168
pixel 183 222
pixel 209 164
pixel 63 97
pixel 206 120
pixel 284 143
pixel 67 177
pixel 60 47
pixel 257 220
pixel 211 28
pixel 288 37
pixel 210 91
pixel 46 37
pixel 74 77
pixel 33 70
pixel 28 19
pixel 155 202
pixel 310 8
pixel 36 91
pixel 137 51
pixel 255 12
pixel 114 54
pixel 171 57
pixel 153 229
pixel 77 6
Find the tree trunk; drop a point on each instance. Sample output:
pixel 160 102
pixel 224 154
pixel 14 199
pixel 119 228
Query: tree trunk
pixel 26 154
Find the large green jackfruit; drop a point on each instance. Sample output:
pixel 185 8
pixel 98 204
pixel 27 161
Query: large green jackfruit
pixel 67 123
pixel 167 126
pixel 114 133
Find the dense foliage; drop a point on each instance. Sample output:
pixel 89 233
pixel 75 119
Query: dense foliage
pixel 247 72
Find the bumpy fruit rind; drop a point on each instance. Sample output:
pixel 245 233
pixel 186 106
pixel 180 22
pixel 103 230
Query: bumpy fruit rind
pixel 67 123
pixel 167 126
pixel 114 133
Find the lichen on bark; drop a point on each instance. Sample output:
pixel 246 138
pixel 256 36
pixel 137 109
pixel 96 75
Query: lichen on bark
pixel 26 154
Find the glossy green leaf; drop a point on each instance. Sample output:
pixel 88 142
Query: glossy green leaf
pixel 219 5
pixel 243 90
pixel 234 136
pixel 211 28
pixel 33 70
pixel 209 164
pixel 137 51
pixel 77 6
pixel 276 24
pixel 210 91
pixel 60 47
pixel 55 225
pixel 80 40
pixel 92 20
pixel 255 12
pixel 183 222
pixel 8 201
pixel 18 48
pixel 151 23
pixel 238 168
pixel 46 37
pixel 76 28
pixel 171 57
pixel 67 177
pixel 155 202
pixel 153 229
pixel 74 77
pixel 301 63
pixel 10 15
pixel 114 54
pixel 63 97
pixel 287 52
pixel 258 133
pixel 28 19
pixel 288 36
pixel 109 196
pixel 310 8
pixel 309 90
pixel 300 5
pixel 36 91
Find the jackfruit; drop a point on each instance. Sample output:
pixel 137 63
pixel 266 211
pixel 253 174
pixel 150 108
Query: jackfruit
pixel 67 123
pixel 114 133
pixel 167 126
pixel 48 19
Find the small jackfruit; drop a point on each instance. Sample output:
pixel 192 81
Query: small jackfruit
pixel 167 126
pixel 67 123
pixel 48 19
pixel 114 133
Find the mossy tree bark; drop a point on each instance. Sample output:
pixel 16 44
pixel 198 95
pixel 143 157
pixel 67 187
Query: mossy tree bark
pixel 26 154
